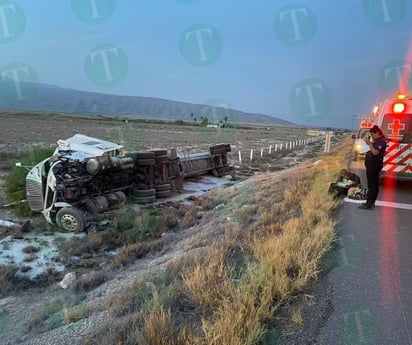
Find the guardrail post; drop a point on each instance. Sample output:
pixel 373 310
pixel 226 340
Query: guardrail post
pixel 240 157
pixel 327 142
pixel 251 154
pixel 270 149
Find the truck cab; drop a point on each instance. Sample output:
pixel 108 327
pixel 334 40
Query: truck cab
pixel 395 119
pixel 60 185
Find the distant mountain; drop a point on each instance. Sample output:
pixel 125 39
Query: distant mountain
pixel 43 97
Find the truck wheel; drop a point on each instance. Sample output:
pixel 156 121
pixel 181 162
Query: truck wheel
pixel 117 199
pixel 144 192
pixel 163 187
pixel 97 204
pixel 218 149
pixel 163 194
pixel 70 219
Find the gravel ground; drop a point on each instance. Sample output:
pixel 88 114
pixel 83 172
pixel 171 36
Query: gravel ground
pixel 21 131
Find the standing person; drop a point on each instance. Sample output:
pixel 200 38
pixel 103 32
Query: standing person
pixel 374 165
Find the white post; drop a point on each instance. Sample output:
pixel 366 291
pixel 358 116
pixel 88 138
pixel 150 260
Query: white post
pixel 261 152
pixel 276 147
pixel 327 142
pixel 251 154
pixel 240 157
pixel 270 149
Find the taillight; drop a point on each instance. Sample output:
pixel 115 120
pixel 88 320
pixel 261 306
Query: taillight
pixel 398 108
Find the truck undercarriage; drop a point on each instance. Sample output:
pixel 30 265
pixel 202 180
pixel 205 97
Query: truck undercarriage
pixel 87 176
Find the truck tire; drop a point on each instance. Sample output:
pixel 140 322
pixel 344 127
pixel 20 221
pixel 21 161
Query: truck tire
pixel 163 194
pixel 117 199
pixel 70 219
pixel 96 204
pixel 223 171
pixel 163 187
pixel 218 149
pixel 144 192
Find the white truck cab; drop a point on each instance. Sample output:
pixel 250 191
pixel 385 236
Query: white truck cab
pixel 46 179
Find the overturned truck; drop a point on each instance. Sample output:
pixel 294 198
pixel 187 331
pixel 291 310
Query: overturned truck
pixel 87 176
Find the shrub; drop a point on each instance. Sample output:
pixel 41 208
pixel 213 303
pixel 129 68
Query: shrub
pixel 89 281
pixel 55 313
pixel 7 274
pixel 15 182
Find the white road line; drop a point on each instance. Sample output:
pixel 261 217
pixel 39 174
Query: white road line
pixel 383 203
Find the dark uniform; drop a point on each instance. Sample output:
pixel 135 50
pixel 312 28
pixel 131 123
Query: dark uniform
pixel 348 179
pixel 374 165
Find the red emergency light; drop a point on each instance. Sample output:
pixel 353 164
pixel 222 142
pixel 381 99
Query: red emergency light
pixel 398 107
pixel 366 124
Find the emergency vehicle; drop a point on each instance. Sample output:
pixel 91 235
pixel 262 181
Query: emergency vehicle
pixel 359 145
pixel 395 119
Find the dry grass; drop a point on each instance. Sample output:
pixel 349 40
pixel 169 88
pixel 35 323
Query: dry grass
pixel 232 289
pixel 89 281
pixel 207 281
pixel 189 214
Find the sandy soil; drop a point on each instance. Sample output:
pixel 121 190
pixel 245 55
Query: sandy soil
pixel 19 132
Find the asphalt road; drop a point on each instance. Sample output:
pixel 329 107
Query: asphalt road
pixel 371 278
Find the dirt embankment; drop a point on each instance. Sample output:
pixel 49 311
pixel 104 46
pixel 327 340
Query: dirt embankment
pixel 18 310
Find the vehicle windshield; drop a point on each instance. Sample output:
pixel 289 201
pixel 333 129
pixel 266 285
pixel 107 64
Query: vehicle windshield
pixel 398 128
pixel 363 132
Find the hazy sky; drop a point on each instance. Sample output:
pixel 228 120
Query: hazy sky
pixel 310 62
